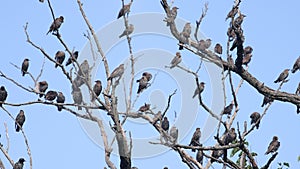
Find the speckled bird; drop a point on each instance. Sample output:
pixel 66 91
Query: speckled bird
pixel 3 95
pixel 273 146
pixel 72 58
pixel 296 65
pixel 248 50
pixel 218 49
pixel 56 25
pixel 195 141
pixel 255 116
pixel 118 72
pixel 143 84
pixel 247 59
pixel 207 43
pixel 173 15
pixel 230 136
pixel 174 134
pixel 59 58
pixel 25 66
pixel 144 108
pixel 127 31
pixel 165 124
pixel 97 89
pixel 239 20
pixel 199 90
pixel 77 97
pixel 186 33
pixel 60 99
pixel 19 164
pixel 282 76
pixel 228 109
pixel 124 10
pixel 20 119
pixel 176 60
pixel 85 68
pixel 51 95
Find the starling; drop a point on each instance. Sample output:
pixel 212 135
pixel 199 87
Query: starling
pixel 42 87
pixel 247 59
pixel 60 99
pixel 174 134
pixel 147 75
pixel 85 68
pixel 282 76
pixel 216 154
pixel 201 45
pixel 20 119
pixel 207 43
pixel 218 49
pixel 19 164
pixel 231 34
pixel 296 65
pixel 247 50
pixel 118 72
pixel 51 95
pixel 176 60
pixel 255 116
pixel 228 109
pixel 72 58
pixel 97 89
pixel 56 25
pixel 173 15
pixel 59 58
pixel 3 95
pixel 199 90
pixel 25 66
pixel 125 10
pixel 266 100
pixel 239 20
pixel 195 141
pixel 273 146
pixel 199 156
pixel 232 12
pixel 230 136
pixel 143 84
pixel 144 108
pixel 186 33
pixel 127 31
pixel 77 97
pixel 165 124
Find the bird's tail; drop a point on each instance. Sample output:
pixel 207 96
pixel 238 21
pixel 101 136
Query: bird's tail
pixel 293 70
pixel 59 108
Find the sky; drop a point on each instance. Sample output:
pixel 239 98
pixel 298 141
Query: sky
pixel 60 140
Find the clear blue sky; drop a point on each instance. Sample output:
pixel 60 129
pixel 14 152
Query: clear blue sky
pixel 57 140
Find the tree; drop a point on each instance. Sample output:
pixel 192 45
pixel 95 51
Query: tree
pixel 109 98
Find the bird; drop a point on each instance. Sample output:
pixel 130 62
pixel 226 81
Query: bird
pixel 25 66
pixel 176 60
pixel 296 65
pixel 84 69
pixel 186 33
pixel 201 45
pixel 59 58
pixel 273 146
pixel 127 31
pixel 56 25
pixel 247 59
pixel 230 136
pixel 124 10
pixel 239 20
pixel 144 108
pixel 228 109
pixel 3 95
pixel 60 99
pixel 173 15
pixel 118 72
pixel 77 82
pixel 218 49
pixel 199 156
pixel 195 141
pixel 147 75
pixel 72 58
pixel 20 119
pixel 51 95
pixel 248 50
pixel 174 134
pixel 97 89
pixel 266 100
pixel 216 154
pixel 19 164
pixel 77 96
pixel 232 12
pixel 255 116
pixel 143 84
pixel 199 90
pixel 282 76
pixel 165 124
pixel 207 43
pixel 231 34
pixel 42 87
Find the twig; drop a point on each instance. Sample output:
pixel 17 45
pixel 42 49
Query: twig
pixel 270 161
pixel 169 103
pixel 7 137
pixel 200 20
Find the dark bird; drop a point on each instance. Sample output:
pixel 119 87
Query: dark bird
pixel 232 12
pixel 266 100
pixel 97 89
pixel 165 124
pixel 127 31
pixel 218 49
pixel 19 164
pixel 42 87
pixel 125 10
pixel 176 60
pixel 85 68
pixel 273 146
pixel 195 141
pixel 230 136
pixel 296 65
pixel 25 66
pixel 72 58
pixel 20 119
pixel 147 75
pixel 207 43
pixel 199 156
pixel 51 95
pixel 248 50
pixel 239 20
pixel 3 95
pixel 174 134
pixel 59 58
pixel 231 34
pixel 56 25
pixel 144 108
pixel 118 72
pixel 77 97
pixel 216 154
pixel 282 76
pixel 186 33
pixel 60 99
pixel 173 15
pixel 228 109
pixel 255 116
pixel 247 59
pixel 143 84
pixel 199 90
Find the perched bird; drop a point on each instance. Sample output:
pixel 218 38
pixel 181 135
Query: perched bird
pixel 248 50
pixel 201 45
pixel 228 109
pixel 195 141
pixel 51 95
pixel 230 136
pixel 216 154
pixel 199 156
pixel 20 119
pixel 273 146
pixel 85 68
pixel 199 90
pixel 147 75
pixel 165 124
pixel 218 49
pixel 176 60
pixel 97 89
pixel 232 12
pixel 266 100
pixel 186 33
pixel 143 84
pixel 231 34
pixel 59 58
pixel 207 43
pixel 60 99
pixel 296 65
pixel 3 95
pixel 282 76
pixel 19 164
pixel 247 59
pixel 77 82
pixel 77 97
pixel 127 31
pixel 144 108
pixel 173 15
pixel 124 10
pixel 72 58
pixel 174 134
pixel 239 20
pixel 118 72
pixel 56 25
pixel 25 66
pixel 255 116
pixel 42 87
